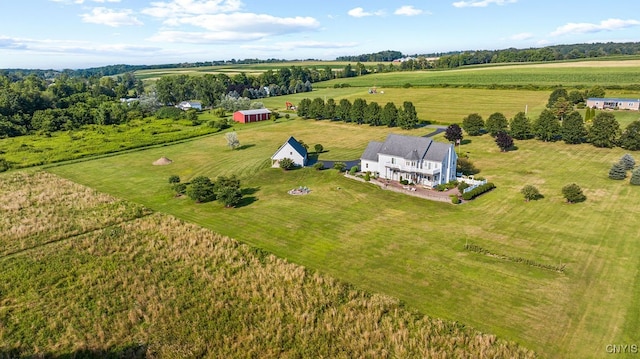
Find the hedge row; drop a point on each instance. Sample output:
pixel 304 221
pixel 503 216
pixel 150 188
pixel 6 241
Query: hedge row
pixel 478 191
pixel 475 248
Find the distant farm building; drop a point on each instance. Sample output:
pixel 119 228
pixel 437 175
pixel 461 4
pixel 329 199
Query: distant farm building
pixel 187 105
pixel 614 103
pixel 247 116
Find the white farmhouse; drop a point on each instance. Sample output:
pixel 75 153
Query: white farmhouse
pixel 417 159
pixel 291 149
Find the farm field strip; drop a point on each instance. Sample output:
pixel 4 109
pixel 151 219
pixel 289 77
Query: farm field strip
pixel 413 249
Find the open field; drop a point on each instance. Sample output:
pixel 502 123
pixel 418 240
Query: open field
pixel 36 149
pixel 142 285
pixel 413 249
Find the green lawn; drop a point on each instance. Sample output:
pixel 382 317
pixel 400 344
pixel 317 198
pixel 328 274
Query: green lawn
pixel 413 249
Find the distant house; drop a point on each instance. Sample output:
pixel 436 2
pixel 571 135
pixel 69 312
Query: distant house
pixel 614 103
pixel 417 159
pixel 187 105
pixel 247 116
pixel 291 149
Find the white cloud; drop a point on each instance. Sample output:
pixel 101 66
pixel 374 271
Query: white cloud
pixel 482 3
pixel 292 45
pixel 114 18
pixel 359 12
pixel 73 47
pixel 180 8
pixel 605 25
pixel 83 1
pixel 521 36
pixel 408 10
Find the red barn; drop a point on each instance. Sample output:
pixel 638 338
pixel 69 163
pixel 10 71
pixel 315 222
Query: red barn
pixel 246 116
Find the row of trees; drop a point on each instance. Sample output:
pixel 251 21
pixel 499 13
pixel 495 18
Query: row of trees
pixel 359 112
pixel 571 192
pixel 603 131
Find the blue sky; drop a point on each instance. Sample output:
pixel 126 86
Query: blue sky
pixel 85 33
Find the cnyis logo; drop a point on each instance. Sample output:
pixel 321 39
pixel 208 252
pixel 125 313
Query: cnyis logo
pixel 622 348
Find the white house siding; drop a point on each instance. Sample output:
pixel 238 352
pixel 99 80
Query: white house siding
pixel 287 151
pixel 371 166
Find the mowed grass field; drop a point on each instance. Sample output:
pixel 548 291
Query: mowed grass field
pixel 413 249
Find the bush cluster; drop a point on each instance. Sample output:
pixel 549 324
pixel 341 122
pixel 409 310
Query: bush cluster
pixel 478 191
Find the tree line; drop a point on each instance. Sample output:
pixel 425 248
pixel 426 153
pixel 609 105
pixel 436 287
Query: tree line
pixel 359 112
pixel 560 121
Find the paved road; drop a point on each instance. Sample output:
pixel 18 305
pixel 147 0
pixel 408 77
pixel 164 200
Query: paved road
pixel 350 163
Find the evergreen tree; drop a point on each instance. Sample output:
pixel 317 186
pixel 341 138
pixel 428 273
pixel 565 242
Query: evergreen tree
pixel 547 126
pixel 473 124
pixel 407 117
pixel 316 109
pixel 496 123
pixel 520 127
pixel 617 171
pixel 304 108
pixel 357 110
pixel 330 109
pixel 389 115
pixel 573 130
pixel 604 130
pixel 628 161
pixel 343 111
pixel 630 138
pixel 373 114
pixel 635 177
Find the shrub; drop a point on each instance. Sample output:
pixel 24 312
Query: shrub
pixel 318 147
pixel 530 193
pixel 286 163
pixel 628 161
pixel 340 166
pixel 573 193
pixel 466 167
pixel 318 165
pixel 635 177
pixel 618 171
pixel 478 191
pixel 462 186
pixel 404 182
pixel 179 188
pixel 174 179
pixel 353 170
pixel 454 199
pixel 4 165
pixel 367 176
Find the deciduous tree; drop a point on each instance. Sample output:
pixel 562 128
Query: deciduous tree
pixel 496 123
pixel 555 95
pixel 232 140
pixel 473 124
pixel 201 189
pixel 504 141
pixel 520 127
pixel 630 138
pixel 530 193
pixel 573 193
pixel 453 133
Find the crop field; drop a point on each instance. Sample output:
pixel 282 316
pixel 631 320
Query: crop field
pixel 413 249
pixel 87 275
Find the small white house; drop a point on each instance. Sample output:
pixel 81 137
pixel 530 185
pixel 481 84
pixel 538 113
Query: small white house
pixel 187 105
pixel 416 159
pixel 291 149
pixel 614 103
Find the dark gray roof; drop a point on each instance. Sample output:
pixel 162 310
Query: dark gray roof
pixel 296 146
pixel 413 148
pixel 372 150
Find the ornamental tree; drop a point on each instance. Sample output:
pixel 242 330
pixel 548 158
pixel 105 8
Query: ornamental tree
pixel 453 133
pixel 618 171
pixel 504 141
pixel 530 193
pixel 628 161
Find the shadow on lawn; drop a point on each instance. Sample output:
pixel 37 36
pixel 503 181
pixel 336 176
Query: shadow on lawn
pixel 247 196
